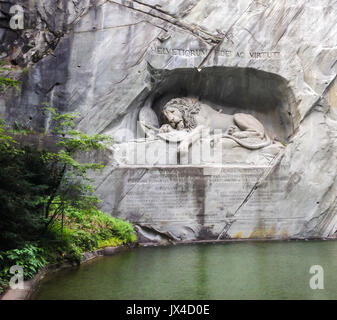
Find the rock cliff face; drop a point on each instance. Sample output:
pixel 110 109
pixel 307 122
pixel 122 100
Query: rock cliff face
pixel 276 59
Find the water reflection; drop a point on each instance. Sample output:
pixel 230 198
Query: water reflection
pixel 202 286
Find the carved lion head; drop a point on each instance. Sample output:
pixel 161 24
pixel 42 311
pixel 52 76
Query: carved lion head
pixel 180 113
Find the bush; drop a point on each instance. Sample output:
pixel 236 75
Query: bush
pixel 86 229
pixel 99 225
pixel 30 258
pixel 123 230
pixel 112 242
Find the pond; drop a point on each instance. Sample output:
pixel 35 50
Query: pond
pixel 233 270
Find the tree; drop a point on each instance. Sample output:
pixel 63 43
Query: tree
pixel 24 183
pixel 70 183
pixel 36 185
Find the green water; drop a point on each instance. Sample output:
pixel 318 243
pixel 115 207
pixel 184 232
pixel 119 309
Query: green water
pixel 259 270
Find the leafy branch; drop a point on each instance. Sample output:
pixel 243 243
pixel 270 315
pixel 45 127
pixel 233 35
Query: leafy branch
pixel 69 173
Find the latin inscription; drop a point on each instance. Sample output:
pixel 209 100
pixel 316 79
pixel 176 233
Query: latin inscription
pixel 221 53
pixel 178 195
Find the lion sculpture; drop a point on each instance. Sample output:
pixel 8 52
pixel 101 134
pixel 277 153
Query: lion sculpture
pixel 190 116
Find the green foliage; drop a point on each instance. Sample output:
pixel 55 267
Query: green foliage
pixel 48 213
pixel 25 180
pixel 88 229
pixel 97 223
pixel 20 129
pixel 85 228
pixel 6 82
pixel 6 141
pixel 30 258
pixel 112 242
pixel 123 230
pixel 71 182
pixel 73 140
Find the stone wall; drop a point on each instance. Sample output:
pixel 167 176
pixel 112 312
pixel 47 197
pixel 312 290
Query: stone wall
pixel 275 59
